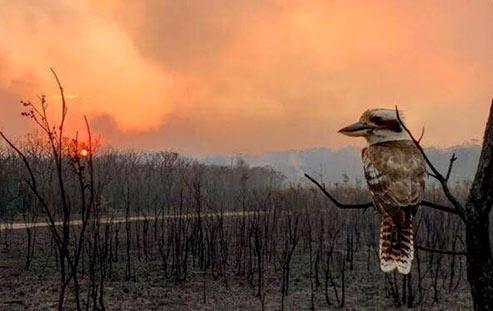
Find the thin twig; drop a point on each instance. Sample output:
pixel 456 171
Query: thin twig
pixel 440 251
pixel 450 166
pixel 422 134
pixel 434 176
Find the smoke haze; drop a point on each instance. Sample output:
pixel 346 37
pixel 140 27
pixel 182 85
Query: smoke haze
pixel 249 76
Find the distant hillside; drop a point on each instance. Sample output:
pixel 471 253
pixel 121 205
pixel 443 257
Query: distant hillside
pixel 345 164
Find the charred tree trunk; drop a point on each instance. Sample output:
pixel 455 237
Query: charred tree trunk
pixel 478 207
pixel 479 263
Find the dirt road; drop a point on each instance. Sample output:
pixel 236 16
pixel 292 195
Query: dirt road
pixel 78 222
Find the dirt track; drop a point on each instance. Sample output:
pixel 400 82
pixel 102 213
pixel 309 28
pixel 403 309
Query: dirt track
pixel 78 222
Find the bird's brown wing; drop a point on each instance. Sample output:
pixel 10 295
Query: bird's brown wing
pixel 395 173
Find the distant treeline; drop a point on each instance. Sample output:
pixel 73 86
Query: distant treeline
pixel 149 181
pixel 336 166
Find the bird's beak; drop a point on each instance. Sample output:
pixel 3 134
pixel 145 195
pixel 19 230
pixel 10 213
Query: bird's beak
pixel 356 129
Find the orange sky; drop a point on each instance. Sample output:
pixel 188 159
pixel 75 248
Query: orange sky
pixel 202 77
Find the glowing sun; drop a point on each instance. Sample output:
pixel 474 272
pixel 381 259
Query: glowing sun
pixel 84 153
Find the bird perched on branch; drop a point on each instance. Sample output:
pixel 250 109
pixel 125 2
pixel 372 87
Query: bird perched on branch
pixel 394 170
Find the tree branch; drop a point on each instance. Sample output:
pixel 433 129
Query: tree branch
pixel 439 207
pixel 422 134
pixel 33 186
pixel 23 157
pixel 450 165
pixel 459 209
pixel 337 203
pixel 369 204
pixel 440 251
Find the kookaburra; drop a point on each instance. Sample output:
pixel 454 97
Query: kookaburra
pixel 394 170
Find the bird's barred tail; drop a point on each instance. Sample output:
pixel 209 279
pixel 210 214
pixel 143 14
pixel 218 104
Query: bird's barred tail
pixel 396 245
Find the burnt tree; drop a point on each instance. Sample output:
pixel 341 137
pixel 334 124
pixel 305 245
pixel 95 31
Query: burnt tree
pixel 476 219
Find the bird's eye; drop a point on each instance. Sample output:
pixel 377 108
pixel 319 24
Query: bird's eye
pixel 377 120
pixel 395 126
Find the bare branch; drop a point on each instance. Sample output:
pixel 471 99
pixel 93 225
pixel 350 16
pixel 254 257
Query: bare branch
pixel 422 134
pixel 439 207
pixel 33 186
pixel 436 174
pixel 440 251
pixel 62 94
pixel 450 166
pixel 23 157
pixel 90 160
pixel 62 120
pixel 369 204
pixel 337 203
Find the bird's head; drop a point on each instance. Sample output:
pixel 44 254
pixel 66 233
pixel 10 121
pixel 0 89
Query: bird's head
pixel 376 126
